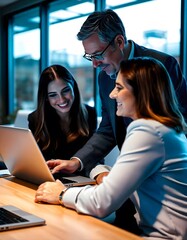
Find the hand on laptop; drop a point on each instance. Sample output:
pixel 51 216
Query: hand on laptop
pixel 49 192
pixel 67 166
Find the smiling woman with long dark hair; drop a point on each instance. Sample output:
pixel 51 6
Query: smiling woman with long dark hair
pixel 61 123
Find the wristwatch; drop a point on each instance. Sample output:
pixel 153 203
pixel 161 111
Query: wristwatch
pixel 61 195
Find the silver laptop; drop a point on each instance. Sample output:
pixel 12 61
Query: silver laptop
pixel 12 217
pixel 23 158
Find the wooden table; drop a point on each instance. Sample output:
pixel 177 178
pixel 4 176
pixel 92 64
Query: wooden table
pixel 61 223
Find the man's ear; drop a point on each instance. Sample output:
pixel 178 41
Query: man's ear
pixel 120 41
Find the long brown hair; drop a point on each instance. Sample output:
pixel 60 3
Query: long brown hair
pixel 47 121
pixel 154 91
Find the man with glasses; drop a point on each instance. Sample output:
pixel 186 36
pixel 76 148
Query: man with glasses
pixel 98 56
pixel 105 43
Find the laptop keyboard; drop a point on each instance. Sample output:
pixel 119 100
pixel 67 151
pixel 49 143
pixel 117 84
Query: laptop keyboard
pixel 7 217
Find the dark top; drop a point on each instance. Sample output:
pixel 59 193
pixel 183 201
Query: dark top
pixel 66 150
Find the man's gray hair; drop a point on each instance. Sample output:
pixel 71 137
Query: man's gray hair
pixel 106 24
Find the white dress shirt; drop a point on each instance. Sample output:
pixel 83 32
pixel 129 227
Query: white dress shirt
pixel 152 170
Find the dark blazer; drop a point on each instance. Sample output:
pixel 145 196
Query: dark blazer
pixel 112 129
pixel 67 150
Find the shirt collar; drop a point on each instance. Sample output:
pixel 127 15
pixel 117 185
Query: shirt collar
pixel 131 55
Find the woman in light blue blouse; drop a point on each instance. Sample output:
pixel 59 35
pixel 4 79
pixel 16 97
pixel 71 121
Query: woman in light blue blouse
pixel 153 171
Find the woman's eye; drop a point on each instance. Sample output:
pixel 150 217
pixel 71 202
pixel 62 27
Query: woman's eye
pixel 65 90
pixel 52 95
pixel 118 88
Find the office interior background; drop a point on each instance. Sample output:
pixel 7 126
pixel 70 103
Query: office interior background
pixel 35 34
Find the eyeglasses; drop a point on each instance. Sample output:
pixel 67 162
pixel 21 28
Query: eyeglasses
pixel 97 56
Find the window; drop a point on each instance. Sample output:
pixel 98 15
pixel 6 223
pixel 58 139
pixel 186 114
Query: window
pixel 26 54
pixel 64 48
pixel 148 25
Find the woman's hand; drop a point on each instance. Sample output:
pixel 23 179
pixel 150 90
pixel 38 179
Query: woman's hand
pixel 49 192
pixel 66 166
pixel 99 177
